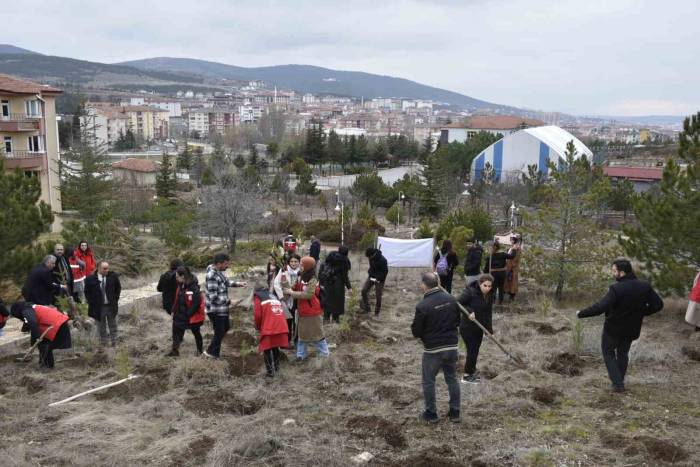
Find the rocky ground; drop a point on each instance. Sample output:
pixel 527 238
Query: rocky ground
pixel 366 397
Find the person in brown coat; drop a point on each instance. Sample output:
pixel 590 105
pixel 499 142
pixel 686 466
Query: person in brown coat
pixel 513 267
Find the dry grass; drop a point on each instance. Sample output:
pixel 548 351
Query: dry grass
pixel 191 411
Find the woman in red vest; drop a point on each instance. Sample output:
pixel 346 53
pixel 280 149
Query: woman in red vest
pixel 271 324
pixel 82 263
pixel 187 310
pixel 38 318
pixel 306 293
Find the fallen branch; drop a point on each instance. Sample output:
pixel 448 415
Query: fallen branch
pixel 128 378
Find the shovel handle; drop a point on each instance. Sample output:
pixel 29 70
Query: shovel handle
pixel 38 341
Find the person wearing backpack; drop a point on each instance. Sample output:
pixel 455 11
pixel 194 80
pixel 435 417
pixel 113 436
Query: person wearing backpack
pixel 306 293
pixel 334 279
pixel 187 310
pixel 444 264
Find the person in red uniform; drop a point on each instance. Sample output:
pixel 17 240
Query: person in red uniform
pixel 272 327
pixel 38 318
pixel 82 264
pixel 187 310
pixel 4 314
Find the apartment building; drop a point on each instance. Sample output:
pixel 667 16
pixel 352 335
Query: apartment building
pixel 106 123
pixel 29 133
pixel 494 124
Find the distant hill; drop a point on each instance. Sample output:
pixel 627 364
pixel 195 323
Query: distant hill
pixel 317 80
pixel 11 49
pixel 80 72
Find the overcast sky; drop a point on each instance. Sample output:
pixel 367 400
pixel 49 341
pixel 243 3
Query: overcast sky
pixel 614 57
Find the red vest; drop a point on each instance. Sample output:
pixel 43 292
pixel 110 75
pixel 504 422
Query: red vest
pixel 269 317
pixel 88 258
pixel 308 307
pixel 198 316
pixel 2 321
pixel 78 274
pixel 695 292
pixel 49 316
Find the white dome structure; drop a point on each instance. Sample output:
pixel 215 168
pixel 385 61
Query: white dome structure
pixel 511 155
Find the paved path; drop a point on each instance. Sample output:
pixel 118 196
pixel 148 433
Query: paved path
pixel 389 176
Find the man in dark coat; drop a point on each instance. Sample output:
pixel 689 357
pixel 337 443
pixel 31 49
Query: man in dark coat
pixel 62 271
pixel 435 323
pixel 625 305
pixel 167 285
pixel 472 265
pixel 315 249
pixel 378 270
pixel 334 279
pixel 41 287
pixel 102 290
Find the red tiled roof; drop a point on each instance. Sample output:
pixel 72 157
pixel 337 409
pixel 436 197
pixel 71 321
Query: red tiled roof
pixel 20 86
pixel 634 173
pixel 136 165
pixel 495 122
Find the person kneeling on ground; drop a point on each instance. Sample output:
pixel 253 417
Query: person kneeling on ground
pixel 39 319
pixel 435 323
pixel 306 293
pixel 478 299
pixel 625 305
pixel 187 310
pixel 271 324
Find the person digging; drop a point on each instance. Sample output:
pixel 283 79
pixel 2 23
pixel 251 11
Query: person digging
pixel 48 327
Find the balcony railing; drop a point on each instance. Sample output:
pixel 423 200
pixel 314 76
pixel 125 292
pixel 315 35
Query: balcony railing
pixel 19 118
pixel 21 154
pixel 20 122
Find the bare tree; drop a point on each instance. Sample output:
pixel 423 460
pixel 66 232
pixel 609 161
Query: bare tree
pixel 230 208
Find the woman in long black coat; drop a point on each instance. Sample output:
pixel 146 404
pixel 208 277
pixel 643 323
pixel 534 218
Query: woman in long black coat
pixel 334 279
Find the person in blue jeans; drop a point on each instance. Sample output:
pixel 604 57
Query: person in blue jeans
pixel 435 323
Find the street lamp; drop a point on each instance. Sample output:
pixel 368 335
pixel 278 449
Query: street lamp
pixel 340 207
pixel 398 216
pixel 513 211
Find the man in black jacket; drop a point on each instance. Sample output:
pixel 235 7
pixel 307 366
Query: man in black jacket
pixel 435 323
pixel 62 271
pixel 41 286
pixel 378 270
pixel 102 290
pixel 625 305
pixel 167 285
pixel 472 265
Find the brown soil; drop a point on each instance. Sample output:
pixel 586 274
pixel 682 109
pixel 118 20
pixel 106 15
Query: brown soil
pixel 384 366
pixel 208 403
pixel 371 425
pixel 32 385
pixel 657 449
pixel 547 396
pixel 545 329
pixel 566 364
pixel 399 396
pixel 691 353
pixel 250 364
pixel 433 457
pixel 240 339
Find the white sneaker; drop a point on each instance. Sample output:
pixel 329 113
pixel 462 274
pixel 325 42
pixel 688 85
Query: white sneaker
pixel 208 355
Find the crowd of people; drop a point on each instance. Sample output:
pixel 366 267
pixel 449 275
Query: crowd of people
pixel 301 294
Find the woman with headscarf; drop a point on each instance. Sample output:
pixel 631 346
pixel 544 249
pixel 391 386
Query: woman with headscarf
pixel 306 293
pixel 333 278
pixel 287 279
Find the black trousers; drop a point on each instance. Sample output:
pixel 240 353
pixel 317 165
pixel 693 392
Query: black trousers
pixel 179 336
pixel 46 354
pixel 472 340
pixel 616 357
pixel 446 281
pixel 221 326
pixel 378 290
pixel 272 360
pixel 499 280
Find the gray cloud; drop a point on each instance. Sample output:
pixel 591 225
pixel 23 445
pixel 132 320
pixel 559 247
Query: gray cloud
pixel 595 56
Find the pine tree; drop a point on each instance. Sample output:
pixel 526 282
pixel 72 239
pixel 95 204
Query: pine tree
pixel 198 165
pixel 426 150
pixel 85 175
pixel 23 217
pixel 166 181
pixel 185 158
pixel 336 150
pixel 430 197
pixel 666 237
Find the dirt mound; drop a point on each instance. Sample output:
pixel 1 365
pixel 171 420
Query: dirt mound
pixel 199 448
pixel 519 308
pixel 545 329
pixel 207 403
pixel 545 395
pixel 433 457
pixel 384 366
pixel 397 395
pixel 691 353
pixel 657 449
pixel 240 339
pixel 488 373
pixel 259 449
pixel 145 387
pixel 250 364
pixel 350 363
pixel 565 363
pixel 33 385
pixel 363 426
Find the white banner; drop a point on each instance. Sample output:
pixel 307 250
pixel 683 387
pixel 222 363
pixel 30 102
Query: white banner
pixel 401 253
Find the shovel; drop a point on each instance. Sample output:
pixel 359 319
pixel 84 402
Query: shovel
pixel 31 349
pixel 517 360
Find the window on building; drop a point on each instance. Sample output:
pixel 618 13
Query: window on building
pixel 33 108
pixel 5 109
pixel 35 143
pixel 8 144
pixel 31 173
